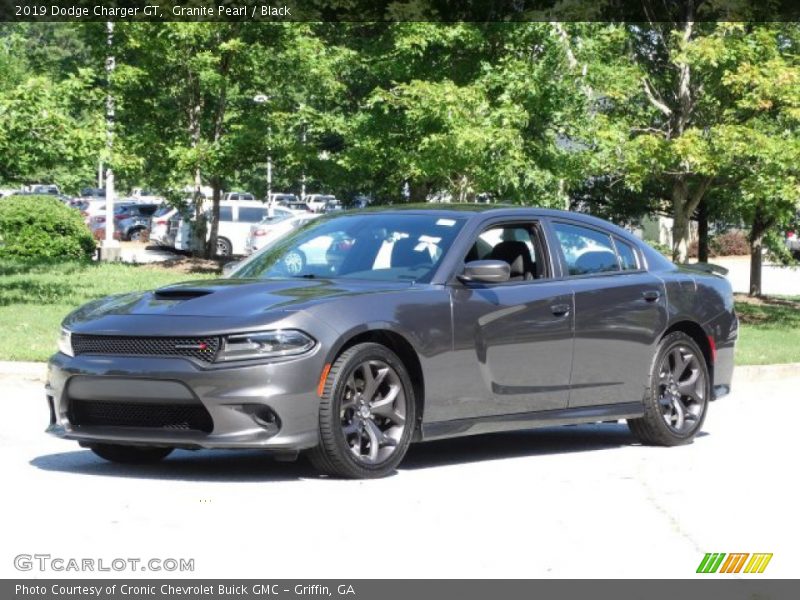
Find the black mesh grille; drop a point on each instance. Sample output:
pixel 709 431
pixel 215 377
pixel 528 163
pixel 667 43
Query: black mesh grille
pixel 204 349
pixel 137 414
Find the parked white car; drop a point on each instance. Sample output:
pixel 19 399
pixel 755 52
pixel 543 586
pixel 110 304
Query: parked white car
pixel 318 202
pixel 272 229
pixel 43 188
pixel 145 196
pixel 235 219
pixel 238 196
pixel 159 226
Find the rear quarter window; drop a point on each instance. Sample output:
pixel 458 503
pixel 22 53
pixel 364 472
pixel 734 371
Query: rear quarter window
pixel 628 260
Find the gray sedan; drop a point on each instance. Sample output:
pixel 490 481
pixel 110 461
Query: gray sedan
pixel 363 332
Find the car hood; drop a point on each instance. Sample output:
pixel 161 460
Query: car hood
pixel 237 299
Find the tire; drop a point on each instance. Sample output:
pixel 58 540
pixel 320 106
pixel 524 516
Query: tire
pixel 676 402
pixel 135 235
pixel 354 442
pixel 224 247
pixel 130 455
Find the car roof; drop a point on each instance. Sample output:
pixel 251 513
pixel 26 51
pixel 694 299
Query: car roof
pixel 471 210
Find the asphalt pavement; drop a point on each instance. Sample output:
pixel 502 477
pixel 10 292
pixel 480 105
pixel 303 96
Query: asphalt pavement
pixel 564 502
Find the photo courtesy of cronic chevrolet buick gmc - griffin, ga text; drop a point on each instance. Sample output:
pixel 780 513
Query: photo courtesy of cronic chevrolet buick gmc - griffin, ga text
pixel 363 332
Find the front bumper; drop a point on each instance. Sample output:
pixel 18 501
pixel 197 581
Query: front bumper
pixel 235 397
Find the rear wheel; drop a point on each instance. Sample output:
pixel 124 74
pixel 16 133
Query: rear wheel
pixel 130 454
pixel 366 414
pixel 224 247
pixel 677 401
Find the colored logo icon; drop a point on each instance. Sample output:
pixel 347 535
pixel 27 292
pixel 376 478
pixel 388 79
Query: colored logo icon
pixel 719 562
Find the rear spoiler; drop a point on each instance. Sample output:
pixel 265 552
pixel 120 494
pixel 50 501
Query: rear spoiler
pixel 707 268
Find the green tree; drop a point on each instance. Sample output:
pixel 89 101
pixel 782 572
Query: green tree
pixel 50 129
pixel 672 110
pixel 461 110
pixel 186 102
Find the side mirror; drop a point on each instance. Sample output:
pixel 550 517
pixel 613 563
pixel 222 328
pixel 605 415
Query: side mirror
pixel 486 271
pixel 228 268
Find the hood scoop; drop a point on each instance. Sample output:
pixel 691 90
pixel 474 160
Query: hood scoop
pixel 180 293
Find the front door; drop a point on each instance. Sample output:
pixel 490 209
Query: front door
pixel 512 341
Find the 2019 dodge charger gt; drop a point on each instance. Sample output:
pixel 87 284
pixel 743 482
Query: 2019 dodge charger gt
pixel 363 332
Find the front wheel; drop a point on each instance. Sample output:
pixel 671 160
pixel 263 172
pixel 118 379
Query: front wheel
pixel 677 400
pixel 130 454
pixel 366 415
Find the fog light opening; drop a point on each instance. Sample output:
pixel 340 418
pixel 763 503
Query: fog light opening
pixel 264 416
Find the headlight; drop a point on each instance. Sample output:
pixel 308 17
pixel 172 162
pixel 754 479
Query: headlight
pixel 65 342
pixel 265 344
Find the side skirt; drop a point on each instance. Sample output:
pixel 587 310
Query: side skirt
pixel 532 420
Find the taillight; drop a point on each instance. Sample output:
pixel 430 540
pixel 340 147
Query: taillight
pixel 162 222
pixel 259 232
pixel 99 219
pixel 122 216
pixel 791 235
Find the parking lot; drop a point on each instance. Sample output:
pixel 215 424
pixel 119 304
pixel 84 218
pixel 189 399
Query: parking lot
pixel 575 501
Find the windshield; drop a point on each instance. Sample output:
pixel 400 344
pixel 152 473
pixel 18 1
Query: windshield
pixel 378 246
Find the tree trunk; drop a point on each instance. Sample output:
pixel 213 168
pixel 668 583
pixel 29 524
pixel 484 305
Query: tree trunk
pixel 198 226
pixel 702 232
pixel 755 266
pixel 680 225
pixel 211 247
pixel 758 228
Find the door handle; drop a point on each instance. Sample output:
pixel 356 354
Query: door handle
pixel 651 295
pixel 559 309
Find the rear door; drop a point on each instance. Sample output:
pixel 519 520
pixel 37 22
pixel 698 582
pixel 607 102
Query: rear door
pixel 620 312
pixel 512 341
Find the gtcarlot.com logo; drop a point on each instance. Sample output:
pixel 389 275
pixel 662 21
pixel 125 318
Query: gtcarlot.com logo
pixel 737 562
pixel 58 564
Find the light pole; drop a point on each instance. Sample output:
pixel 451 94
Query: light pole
pixel 263 99
pixel 303 188
pixel 110 247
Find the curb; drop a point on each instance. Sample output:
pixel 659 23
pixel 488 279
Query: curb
pixel 26 371
pixel 766 372
pixel 37 371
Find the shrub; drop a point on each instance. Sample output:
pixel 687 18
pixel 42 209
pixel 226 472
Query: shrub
pixel 662 248
pixel 730 243
pixel 42 227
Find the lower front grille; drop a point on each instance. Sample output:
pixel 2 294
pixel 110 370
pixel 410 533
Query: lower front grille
pixel 95 413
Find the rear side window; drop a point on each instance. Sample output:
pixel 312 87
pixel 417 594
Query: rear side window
pixel 147 211
pixel 586 251
pixel 627 256
pixel 251 214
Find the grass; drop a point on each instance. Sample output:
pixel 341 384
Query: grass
pixel 35 297
pixel 769 330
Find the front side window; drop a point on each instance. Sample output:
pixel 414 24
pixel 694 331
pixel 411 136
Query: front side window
pixel 385 247
pixel 586 251
pixel 512 243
